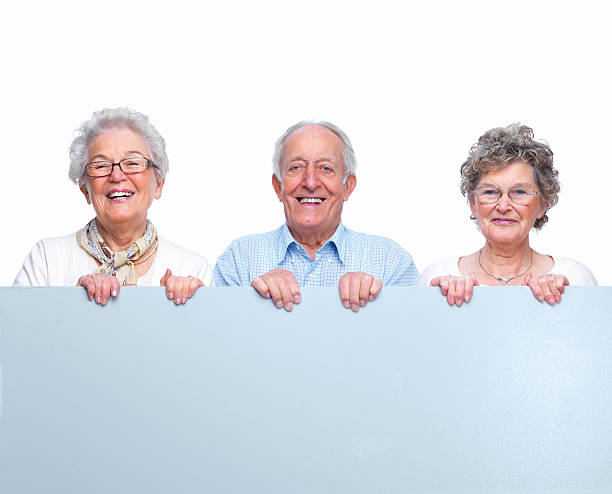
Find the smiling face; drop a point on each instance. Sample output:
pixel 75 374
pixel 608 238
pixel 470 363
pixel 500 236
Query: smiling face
pixel 311 190
pixel 121 201
pixel 506 223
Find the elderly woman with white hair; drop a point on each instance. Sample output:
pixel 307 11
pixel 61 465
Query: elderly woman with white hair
pixel 119 161
pixel 510 183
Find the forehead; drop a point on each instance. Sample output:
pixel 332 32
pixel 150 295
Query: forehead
pixel 116 142
pixel 517 172
pixel 312 142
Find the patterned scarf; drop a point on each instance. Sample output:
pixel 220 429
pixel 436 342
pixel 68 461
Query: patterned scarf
pixel 121 264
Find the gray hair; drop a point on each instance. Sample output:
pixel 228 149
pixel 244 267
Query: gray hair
pixel 348 155
pixel 500 147
pixel 115 118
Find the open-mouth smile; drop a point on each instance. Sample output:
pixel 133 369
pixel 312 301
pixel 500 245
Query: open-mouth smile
pixel 310 200
pixel 118 195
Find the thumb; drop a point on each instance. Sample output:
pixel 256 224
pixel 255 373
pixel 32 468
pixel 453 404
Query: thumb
pixel 165 277
pixel 527 278
pixel 473 276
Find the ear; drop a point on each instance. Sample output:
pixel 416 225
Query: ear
pixel 473 207
pixel 85 192
pixel 278 186
pixel 349 186
pixel 542 212
pixel 159 187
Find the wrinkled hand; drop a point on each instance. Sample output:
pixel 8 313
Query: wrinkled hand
pixel 456 289
pixel 548 287
pixel 281 285
pixel 100 286
pixel 180 288
pixel 357 289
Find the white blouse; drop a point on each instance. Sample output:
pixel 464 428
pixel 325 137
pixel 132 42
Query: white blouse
pixel 61 261
pixel 577 274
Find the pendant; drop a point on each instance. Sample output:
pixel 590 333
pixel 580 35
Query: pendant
pixel 503 281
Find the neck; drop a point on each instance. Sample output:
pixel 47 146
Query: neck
pixel 503 260
pixel 312 241
pixel 121 237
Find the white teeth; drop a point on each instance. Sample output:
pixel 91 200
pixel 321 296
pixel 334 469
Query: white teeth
pixel 116 195
pixel 311 200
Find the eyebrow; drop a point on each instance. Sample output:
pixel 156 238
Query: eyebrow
pixel 519 184
pixel 106 158
pixel 301 158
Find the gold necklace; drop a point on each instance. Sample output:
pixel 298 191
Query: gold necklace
pixel 504 281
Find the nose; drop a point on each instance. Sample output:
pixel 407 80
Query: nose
pixel 310 178
pixel 117 174
pixel 504 203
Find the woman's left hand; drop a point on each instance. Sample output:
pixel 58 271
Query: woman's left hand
pixel 180 288
pixel 548 287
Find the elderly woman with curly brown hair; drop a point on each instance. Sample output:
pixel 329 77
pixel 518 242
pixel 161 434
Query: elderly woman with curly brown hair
pixel 510 183
pixel 119 161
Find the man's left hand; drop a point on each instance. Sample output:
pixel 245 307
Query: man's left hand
pixel 357 289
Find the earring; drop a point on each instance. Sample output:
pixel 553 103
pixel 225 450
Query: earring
pixel 472 217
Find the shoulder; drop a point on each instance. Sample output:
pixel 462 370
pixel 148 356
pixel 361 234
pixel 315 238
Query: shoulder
pixel 576 272
pixel 255 240
pixel 47 261
pixel 379 256
pixel 60 244
pixel 248 256
pixel 440 268
pixel 182 261
pixel 170 248
pixel 252 246
pixel 54 248
pixel 357 240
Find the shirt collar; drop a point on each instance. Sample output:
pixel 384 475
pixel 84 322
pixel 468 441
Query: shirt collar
pixel 286 239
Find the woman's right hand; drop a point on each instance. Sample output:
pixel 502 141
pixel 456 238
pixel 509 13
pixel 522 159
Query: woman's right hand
pixel 456 289
pixel 100 286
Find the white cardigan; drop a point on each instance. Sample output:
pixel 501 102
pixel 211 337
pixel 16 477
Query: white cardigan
pixel 577 273
pixel 61 261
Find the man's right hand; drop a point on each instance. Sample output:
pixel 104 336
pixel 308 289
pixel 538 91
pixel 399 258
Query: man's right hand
pixel 281 286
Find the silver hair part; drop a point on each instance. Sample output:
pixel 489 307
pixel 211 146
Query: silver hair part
pixel 116 118
pixel 348 155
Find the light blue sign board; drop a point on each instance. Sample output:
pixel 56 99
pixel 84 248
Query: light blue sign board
pixel 230 395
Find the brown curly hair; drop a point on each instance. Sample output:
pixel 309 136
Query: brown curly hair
pixel 502 146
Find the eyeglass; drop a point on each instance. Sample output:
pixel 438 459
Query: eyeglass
pixel 127 166
pixel 519 195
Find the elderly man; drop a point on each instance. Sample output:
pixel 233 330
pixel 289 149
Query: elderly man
pixel 314 174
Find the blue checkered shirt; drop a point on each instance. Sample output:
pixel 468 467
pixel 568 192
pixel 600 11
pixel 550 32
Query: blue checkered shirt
pixel 346 251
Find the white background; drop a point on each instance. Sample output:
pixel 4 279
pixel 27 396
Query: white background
pixel 412 84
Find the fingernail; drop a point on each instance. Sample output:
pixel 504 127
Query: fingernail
pixel 184 300
pixel 289 306
pixel 296 298
pixel 114 293
pixel 346 304
pixel 370 298
pixel 98 299
pixel 355 307
pixel 177 300
pixel 362 303
pixel 170 295
pixel 279 304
